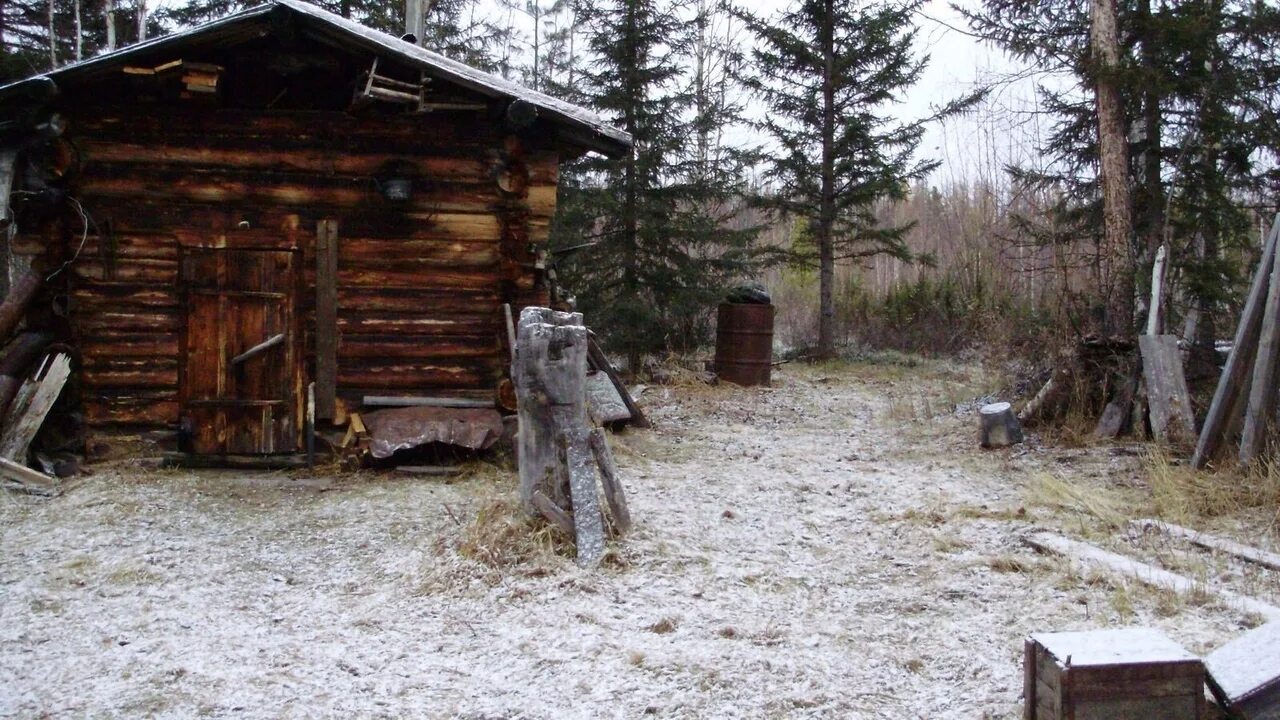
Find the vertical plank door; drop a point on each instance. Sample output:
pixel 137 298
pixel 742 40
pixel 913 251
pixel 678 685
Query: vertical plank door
pixel 241 371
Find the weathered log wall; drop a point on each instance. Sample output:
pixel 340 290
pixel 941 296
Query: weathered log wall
pixel 420 285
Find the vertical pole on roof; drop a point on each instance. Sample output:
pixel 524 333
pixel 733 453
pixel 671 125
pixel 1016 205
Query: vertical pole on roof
pixel 414 16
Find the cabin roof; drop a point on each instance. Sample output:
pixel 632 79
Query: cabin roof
pixel 584 127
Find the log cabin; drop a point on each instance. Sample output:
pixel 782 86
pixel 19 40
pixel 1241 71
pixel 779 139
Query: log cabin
pixel 278 206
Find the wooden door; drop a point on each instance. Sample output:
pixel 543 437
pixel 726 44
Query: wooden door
pixel 241 369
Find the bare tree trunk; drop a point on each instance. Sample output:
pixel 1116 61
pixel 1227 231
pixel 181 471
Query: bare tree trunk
pixel 827 210
pixel 53 40
pixel 79 33
pixel 142 20
pixel 110 14
pixel 1116 261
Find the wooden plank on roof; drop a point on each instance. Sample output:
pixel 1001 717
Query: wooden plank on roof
pixel 326 319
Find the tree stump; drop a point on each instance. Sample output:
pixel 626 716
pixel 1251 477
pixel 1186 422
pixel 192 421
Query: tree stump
pixel 998 426
pixel 562 460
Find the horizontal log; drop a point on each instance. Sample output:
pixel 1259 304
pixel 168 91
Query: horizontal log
pixel 412 378
pixel 95 324
pixel 387 133
pixel 155 246
pixel 135 270
pixel 482 302
pixel 130 345
pixel 425 348
pixel 456 253
pixel 128 378
pixel 92 296
pixel 159 363
pixel 434 278
pixel 388 324
pixel 100 412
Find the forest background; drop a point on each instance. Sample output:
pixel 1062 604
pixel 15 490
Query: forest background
pixel 947 199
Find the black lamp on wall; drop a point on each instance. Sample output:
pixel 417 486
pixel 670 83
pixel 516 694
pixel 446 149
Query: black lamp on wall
pixel 395 181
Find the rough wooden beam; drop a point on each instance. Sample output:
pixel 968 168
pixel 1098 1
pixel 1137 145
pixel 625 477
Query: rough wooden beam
pixel 326 319
pixel 256 350
pixel 601 362
pixel 23 479
pixel 1233 384
pixel 17 438
pixel 1260 413
pixel 15 303
pixel 588 522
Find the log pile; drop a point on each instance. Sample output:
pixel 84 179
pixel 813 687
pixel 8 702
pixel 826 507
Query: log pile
pixel 567 472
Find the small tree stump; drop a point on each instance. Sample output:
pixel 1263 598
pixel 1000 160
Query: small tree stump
pixel 998 426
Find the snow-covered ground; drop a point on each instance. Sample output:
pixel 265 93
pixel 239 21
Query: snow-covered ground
pixel 835 546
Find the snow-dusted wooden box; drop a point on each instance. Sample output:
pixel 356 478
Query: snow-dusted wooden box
pixel 1111 675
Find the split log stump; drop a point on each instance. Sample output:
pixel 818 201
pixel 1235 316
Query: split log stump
pixel 563 460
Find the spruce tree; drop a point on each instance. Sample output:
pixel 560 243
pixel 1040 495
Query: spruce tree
pixel 828 72
pixel 662 248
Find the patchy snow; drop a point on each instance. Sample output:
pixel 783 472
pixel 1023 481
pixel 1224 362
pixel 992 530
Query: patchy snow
pixel 810 550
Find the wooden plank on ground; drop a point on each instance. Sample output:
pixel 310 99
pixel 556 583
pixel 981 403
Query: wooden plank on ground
pixel 1144 573
pixel 17 437
pixel 326 319
pixel 1260 412
pixel 1167 394
pixel 1213 542
pixel 1233 384
pixel 21 478
pixel 1244 674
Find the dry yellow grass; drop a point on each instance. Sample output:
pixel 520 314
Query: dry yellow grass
pixel 1081 498
pixel 1180 493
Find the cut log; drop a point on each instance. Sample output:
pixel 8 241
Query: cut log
pixel 1236 376
pixel 1244 674
pixel 23 479
pixel 1260 411
pixel 1117 412
pixel 17 438
pixel 1144 573
pixel 1167 394
pixel 997 426
pixel 554 514
pixel 1048 395
pixel 15 303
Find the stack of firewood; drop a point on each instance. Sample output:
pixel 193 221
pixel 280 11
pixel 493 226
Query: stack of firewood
pixel 31 379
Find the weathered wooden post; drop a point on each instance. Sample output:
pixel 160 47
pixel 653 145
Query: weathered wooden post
pixel 558 450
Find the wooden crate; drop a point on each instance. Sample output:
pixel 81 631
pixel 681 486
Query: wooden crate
pixel 1111 675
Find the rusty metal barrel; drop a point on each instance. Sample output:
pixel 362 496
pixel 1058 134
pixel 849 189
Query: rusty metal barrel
pixel 744 343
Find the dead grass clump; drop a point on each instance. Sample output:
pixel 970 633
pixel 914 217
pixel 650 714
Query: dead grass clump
pixel 1009 564
pixel 1092 501
pixel 1181 493
pixel 501 535
pixel 663 627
